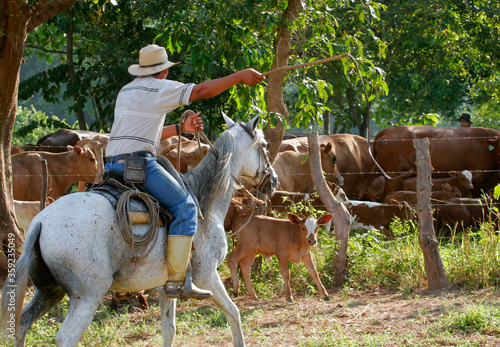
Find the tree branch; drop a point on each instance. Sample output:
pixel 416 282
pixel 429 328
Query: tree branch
pixel 45 50
pixel 43 11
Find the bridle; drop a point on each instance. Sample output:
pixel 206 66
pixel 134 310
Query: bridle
pixel 262 177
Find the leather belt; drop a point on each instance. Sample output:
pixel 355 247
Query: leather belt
pixel 125 155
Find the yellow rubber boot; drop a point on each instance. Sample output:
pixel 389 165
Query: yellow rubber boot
pixel 179 284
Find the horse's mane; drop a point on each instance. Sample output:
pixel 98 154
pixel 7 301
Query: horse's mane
pixel 215 176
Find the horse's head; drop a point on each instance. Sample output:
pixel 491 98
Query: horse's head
pixel 256 168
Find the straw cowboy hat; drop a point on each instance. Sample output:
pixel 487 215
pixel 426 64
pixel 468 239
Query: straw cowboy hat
pixel 152 59
pixel 465 117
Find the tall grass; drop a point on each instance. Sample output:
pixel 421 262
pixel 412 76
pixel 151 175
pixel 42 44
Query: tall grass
pixel 471 260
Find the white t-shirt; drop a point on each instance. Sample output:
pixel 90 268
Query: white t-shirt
pixel 140 112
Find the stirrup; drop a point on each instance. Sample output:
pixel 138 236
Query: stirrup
pixel 175 290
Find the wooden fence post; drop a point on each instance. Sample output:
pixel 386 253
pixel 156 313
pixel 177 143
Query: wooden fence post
pixel 45 184
pixel 436 275
pixel 341 217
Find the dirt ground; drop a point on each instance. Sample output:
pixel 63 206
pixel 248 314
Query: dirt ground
pixel 353 319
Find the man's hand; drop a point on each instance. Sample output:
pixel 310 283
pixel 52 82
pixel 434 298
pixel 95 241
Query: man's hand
pixel 193 123
pixel 250 76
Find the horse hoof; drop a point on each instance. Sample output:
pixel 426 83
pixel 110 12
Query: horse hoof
pixel 327 298
pixel 235 294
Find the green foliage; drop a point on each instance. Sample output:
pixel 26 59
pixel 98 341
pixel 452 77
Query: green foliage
pixel 30 125
pixel 343 88
pixel 444 58
pixel 413 62
pixel 303 208
pixel 475 319
pixel 395 263
pixel 473 259
pixel 214 39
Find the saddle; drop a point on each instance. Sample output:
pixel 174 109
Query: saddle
pixel 113 187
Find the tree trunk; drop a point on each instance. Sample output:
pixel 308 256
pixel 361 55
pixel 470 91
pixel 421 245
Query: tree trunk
pixel 14 27
pixel 326 123
pixel 82 124
pixel 275 102
pixel 341 217
pixel 436 275
pixel 17 17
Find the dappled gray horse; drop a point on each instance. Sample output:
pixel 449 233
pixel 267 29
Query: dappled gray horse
pixel 75 247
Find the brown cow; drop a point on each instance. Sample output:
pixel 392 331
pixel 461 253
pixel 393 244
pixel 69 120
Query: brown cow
pixel 288 240
pixel 16 150
pixel 461 180
pixel 190 155
pixel 63 168
pixel 101 138
pixel 463 213
pixel 451 149
pixel 26 211
pixel 437 196
pixel 238 206
pixel 368 215
pixel 58 140
pixel 294 172
pixel 354 162
pixel 381 186
pixel 365 215
pixel 299 145
pixel 171 143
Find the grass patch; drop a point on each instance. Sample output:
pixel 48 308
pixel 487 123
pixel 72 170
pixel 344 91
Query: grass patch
pixel 476 319
pixel 383 302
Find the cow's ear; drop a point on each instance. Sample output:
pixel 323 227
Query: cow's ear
pixel 293 218
pixel 454 174
pixel 78 150
pixel 446 187
pixel 327 148
pixel 324 219
pixel 253 123
pixel 228 120
pixel 489 143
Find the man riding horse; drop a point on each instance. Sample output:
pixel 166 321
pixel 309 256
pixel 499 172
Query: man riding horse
pixel 137 130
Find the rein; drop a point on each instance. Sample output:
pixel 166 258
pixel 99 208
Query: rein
pixel 264 181
pixel 262 178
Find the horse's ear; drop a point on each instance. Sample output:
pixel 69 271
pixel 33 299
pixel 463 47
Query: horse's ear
pixel 228 120
pixel 253 123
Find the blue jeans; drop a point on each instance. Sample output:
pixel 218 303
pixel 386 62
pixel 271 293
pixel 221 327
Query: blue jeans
pixel 160 184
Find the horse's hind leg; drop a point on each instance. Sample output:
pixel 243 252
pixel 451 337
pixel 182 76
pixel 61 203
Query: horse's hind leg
pixel 80 314
pixel 41 303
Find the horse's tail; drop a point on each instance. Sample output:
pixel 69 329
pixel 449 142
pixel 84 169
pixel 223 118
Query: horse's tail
pixel 15 287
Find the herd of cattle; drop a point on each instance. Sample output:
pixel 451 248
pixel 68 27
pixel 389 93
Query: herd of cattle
pixel 465 168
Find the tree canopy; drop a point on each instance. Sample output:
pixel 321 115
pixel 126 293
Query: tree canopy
pixel 420 62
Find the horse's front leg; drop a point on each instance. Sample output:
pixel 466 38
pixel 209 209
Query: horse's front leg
pixel 167 311
pixel 210 279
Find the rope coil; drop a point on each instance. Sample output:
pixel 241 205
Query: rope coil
pixel 139 243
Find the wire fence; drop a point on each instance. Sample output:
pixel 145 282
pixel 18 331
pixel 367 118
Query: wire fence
pixel 362 144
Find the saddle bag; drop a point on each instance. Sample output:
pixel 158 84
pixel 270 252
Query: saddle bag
pixel 135 169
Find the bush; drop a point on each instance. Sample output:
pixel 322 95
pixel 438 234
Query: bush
pixel 30 125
